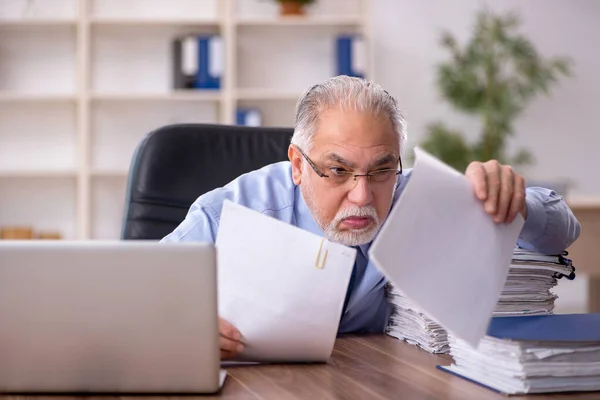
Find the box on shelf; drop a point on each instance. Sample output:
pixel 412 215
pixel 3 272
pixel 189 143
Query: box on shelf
pixel 27 233
pixel 16 232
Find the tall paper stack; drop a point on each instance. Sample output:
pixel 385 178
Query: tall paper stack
pixel 527 291
pixel 533 354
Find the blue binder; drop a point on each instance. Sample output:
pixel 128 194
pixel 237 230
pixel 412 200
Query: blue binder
pixel 551 328
pixel 248 117
pixel 346 58
pixel 207 76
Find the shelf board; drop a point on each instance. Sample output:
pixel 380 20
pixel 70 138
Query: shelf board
pixel 267 94
pixel 195 95
pixel 141 22
pixel 32 23
pixel 343 20
pixel 583 202
pixel 41 173
pixel 35 97
pixel 109 173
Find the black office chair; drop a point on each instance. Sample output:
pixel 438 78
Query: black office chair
pixel 176 164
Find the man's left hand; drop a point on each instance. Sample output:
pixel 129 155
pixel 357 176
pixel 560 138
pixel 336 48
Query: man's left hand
pixel 500 188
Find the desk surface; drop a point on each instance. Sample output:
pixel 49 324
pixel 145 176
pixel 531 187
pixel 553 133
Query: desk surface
pixel 361 367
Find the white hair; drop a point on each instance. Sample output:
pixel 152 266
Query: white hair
pixel 347 93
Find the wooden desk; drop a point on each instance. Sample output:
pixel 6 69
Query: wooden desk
pixel 362 367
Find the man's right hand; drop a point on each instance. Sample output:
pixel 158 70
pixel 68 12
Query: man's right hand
pixel 230 340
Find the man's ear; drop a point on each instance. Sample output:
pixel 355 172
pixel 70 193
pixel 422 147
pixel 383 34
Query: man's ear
pixel 296 160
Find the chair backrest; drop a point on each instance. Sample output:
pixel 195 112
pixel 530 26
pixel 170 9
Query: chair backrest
pixel 175 164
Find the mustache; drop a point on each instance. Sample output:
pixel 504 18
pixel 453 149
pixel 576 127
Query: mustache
pixel 354 211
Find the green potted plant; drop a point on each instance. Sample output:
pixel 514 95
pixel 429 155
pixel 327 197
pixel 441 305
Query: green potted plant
pixel 493 77
pixel 293 7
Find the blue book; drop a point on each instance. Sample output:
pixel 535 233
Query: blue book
pixel 210 62
pixel 547 328
pixel 248 117
pixel 350 55
pixel 533 354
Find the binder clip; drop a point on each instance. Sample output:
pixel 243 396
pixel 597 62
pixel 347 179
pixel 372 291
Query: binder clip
pixel 320 262
pixel 567 262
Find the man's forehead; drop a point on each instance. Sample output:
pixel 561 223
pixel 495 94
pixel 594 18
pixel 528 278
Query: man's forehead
pixel 345 158
pixel 363 137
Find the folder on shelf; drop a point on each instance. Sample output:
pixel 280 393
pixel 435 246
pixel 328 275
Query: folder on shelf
pixel 210 62
pixel 198 62
pixel 185 62
pixel 533 354
pixel 351 55
pixel 248 117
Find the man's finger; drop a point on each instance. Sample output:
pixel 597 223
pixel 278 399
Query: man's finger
pixel 505 195
pixel 228 330
pixel 226 355
pixel 476 174
pixel 492 170
pixel 230 345
pixel 517 202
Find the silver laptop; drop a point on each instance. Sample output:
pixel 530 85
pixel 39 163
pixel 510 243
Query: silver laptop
pixel 117 317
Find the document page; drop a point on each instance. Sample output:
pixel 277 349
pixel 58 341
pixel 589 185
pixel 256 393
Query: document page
pixel 281 286
pixel 442 251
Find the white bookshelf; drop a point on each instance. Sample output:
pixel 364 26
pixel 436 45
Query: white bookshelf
pixel 83 81
pixel 327 21
pixel 176 95
pixel 147 22
pixel 266 94
pixel 28 23
pixel 14 97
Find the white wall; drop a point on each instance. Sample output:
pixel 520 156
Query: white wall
pixel 561 130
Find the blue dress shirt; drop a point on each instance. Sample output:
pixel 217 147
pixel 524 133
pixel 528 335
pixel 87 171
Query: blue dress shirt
pixel 550 228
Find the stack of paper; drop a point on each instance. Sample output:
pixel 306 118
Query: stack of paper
pixel 407 322
pixel 531 277
pixel 527 291
pixel 533 354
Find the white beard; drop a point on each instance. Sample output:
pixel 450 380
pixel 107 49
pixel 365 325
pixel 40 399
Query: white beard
pixel 351 237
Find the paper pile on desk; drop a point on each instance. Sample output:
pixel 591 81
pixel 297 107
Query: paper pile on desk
pixel 281 286
pixel 533 354
pixel 434 244
pixel 527 291
pixel 409 323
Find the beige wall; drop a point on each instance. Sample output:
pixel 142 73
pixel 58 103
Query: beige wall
pixel 562 131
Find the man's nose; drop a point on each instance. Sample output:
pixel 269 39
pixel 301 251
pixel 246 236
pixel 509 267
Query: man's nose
pixel 361 193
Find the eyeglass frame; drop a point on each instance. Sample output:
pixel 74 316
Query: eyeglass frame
pixel 368 175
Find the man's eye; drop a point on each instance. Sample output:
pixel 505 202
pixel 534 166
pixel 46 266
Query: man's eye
pixel 338 171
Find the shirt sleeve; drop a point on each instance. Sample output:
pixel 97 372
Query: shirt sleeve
pixel 551 226
pixel 199 225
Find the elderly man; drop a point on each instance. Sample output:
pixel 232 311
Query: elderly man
pixel 343 177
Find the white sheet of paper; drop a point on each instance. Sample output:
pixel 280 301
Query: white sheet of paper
pixel 443 251
pixel 287 309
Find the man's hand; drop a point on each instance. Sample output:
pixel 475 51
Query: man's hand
pixel 500 188
pixel 230 343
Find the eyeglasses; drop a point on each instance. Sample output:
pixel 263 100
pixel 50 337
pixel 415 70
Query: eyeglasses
pixel 340 175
